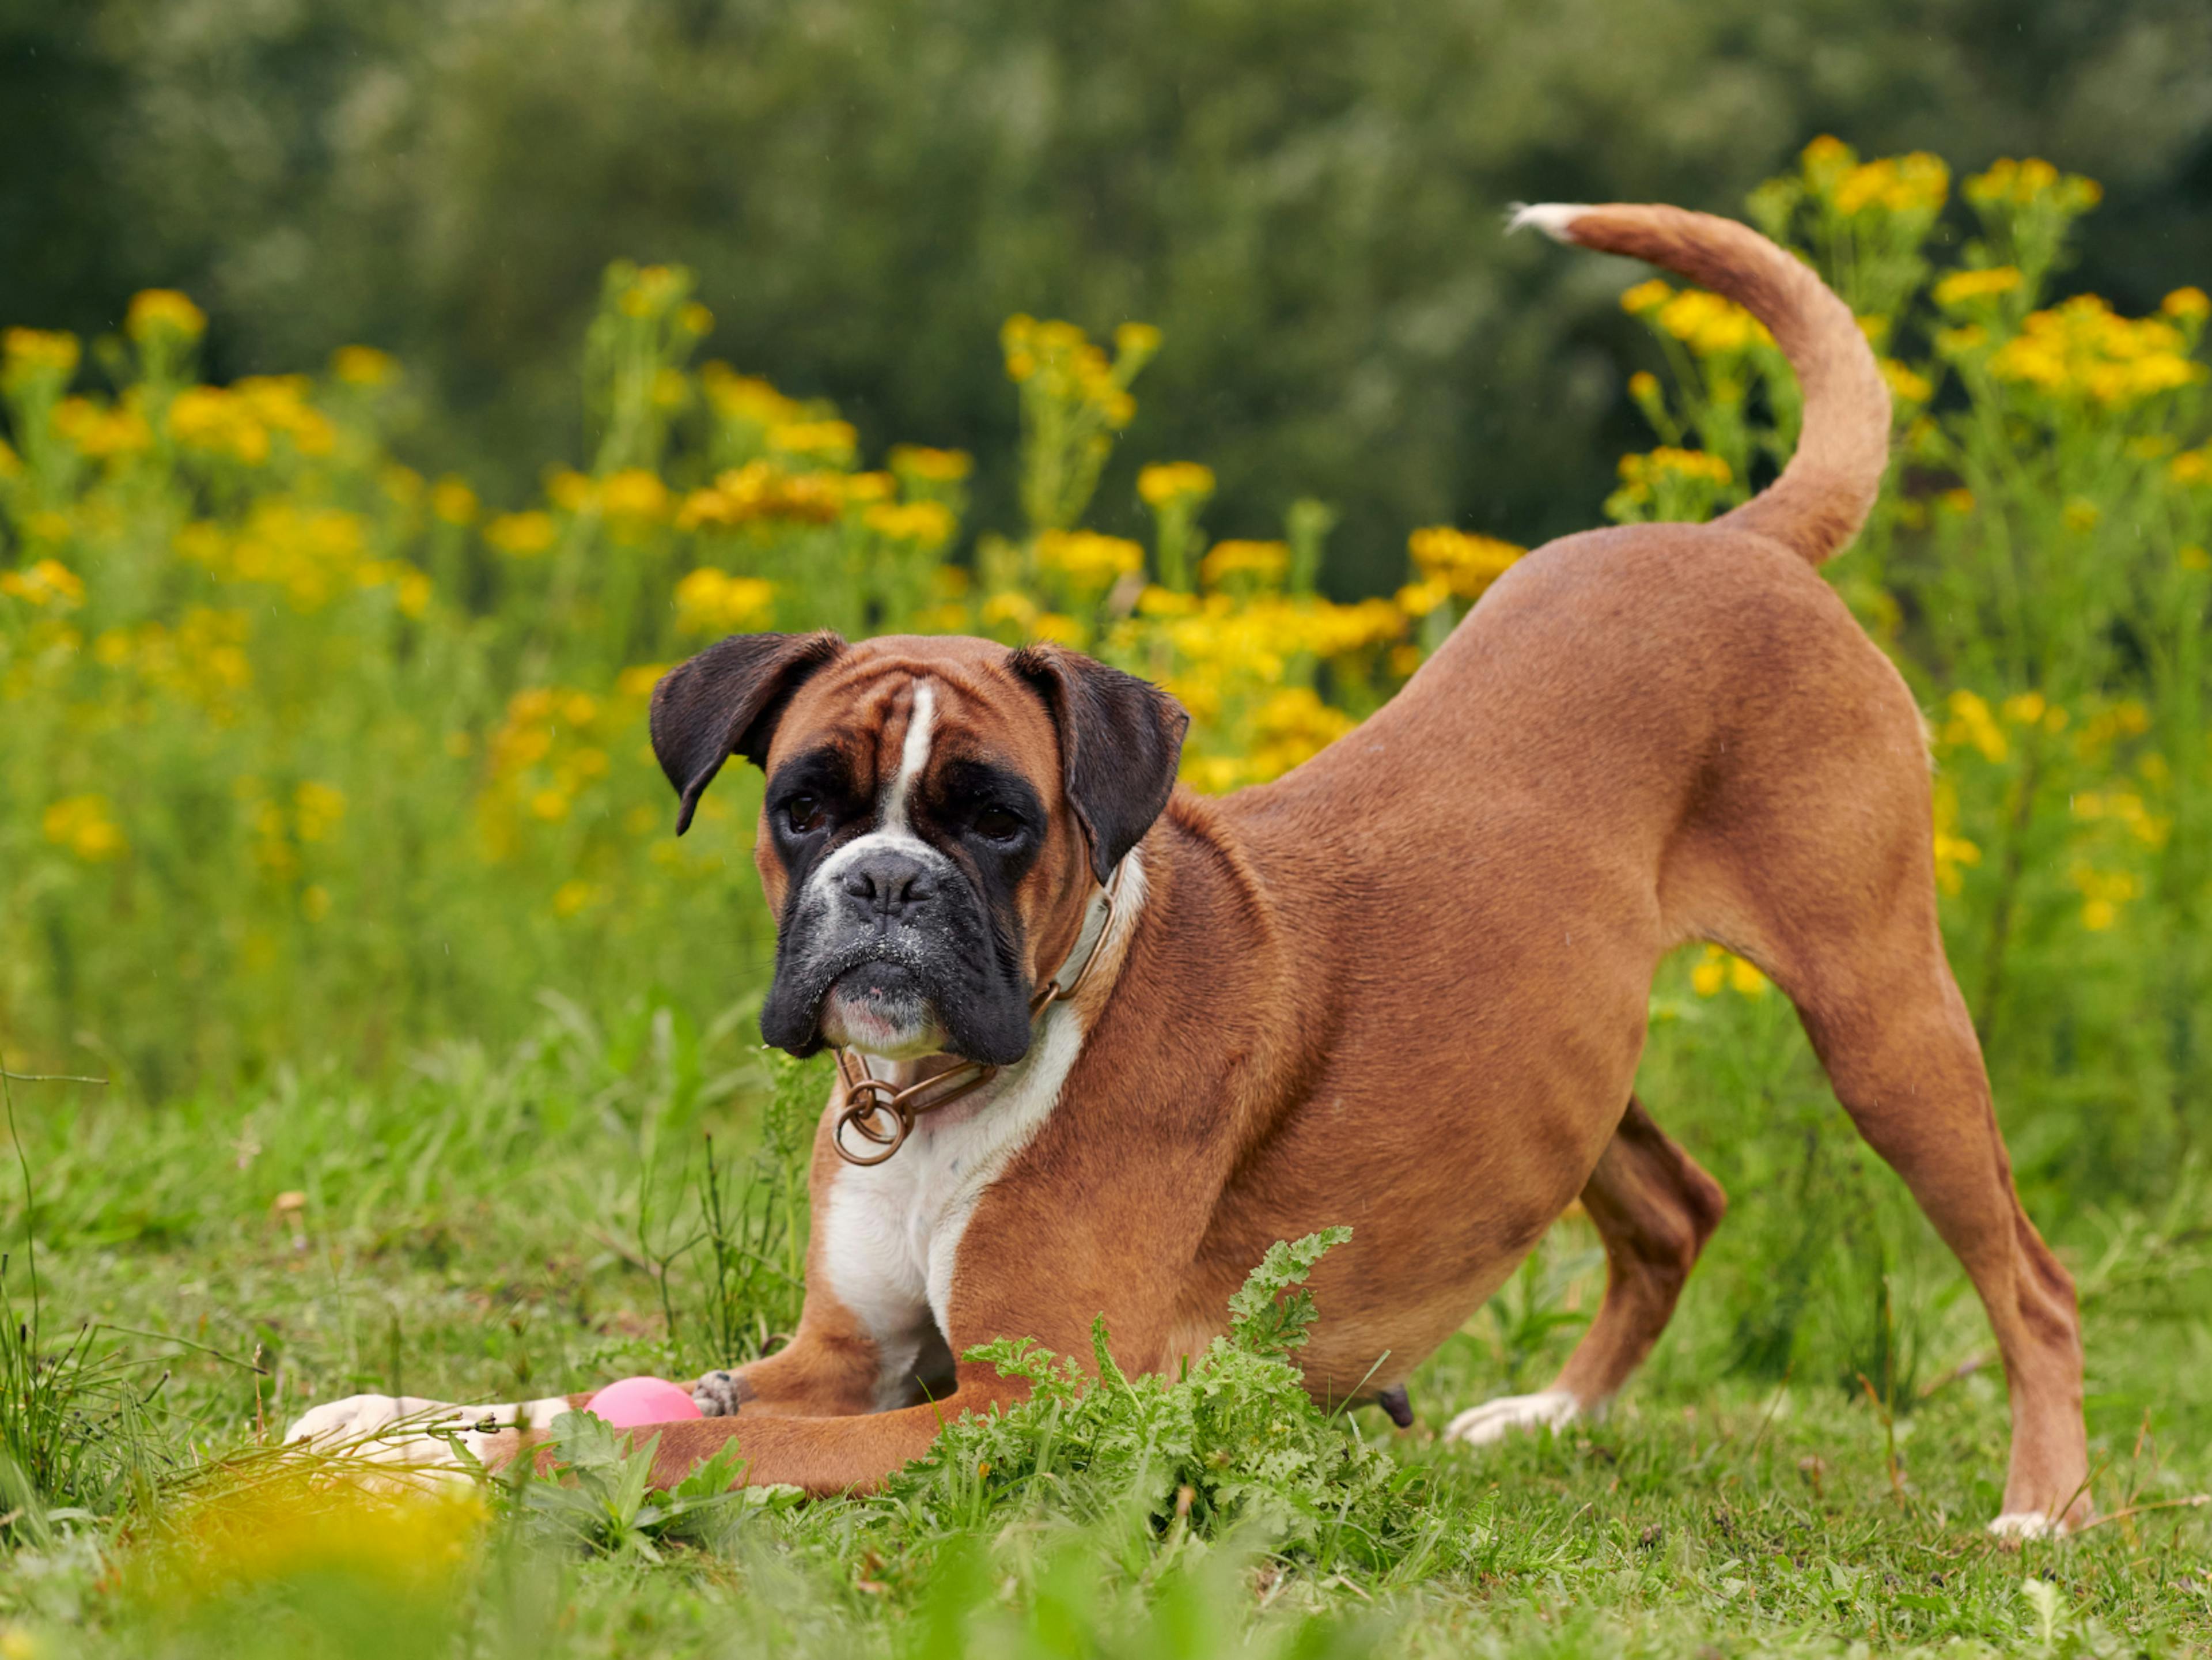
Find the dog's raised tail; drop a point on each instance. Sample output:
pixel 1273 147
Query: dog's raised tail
pixel 1822 497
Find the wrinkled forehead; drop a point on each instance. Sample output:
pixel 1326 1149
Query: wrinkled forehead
pixel 884 712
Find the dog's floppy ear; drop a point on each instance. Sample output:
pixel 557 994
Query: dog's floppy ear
pixel 727 701
pixel 1120 740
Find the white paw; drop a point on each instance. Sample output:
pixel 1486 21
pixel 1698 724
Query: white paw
pixel 1493 1420
pixel 2024 1524
pixel 404 1431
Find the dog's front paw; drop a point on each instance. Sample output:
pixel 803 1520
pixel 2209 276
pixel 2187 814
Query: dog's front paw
pixel 719 1393
pixel 337 1424
pixel 1493 1420
pixel 2017 1525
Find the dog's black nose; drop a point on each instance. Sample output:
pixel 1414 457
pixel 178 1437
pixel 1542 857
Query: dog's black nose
pixel 889 884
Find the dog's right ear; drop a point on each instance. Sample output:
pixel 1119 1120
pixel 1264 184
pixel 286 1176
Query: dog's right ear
pixel 727 701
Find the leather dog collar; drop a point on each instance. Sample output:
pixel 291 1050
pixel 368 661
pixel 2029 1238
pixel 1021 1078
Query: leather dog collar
pixel 867 1097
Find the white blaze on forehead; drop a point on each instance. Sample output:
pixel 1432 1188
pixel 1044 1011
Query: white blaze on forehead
pixel 892 828
pixel 913 756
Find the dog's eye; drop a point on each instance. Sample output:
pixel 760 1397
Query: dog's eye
pixel 804 814
pixel 997 825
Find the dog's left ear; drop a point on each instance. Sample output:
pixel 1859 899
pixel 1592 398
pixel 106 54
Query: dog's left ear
pixel 1120 740
pixel 727 701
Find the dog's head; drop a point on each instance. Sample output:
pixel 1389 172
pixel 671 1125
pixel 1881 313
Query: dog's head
pixel 937 812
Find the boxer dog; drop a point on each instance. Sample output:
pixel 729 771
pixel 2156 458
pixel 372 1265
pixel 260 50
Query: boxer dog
pixel 1101 1041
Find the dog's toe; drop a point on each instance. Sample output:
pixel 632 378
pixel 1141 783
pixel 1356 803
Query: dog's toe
pixel 2023 1524
pixel 721 1393
pixel 1493 1420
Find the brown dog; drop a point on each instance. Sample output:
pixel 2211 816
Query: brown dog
pixel 1403 987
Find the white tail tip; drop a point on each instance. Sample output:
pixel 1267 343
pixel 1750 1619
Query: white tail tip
pixel 1552 218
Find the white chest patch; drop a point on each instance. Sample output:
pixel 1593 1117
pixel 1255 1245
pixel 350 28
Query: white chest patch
pixel 890 1232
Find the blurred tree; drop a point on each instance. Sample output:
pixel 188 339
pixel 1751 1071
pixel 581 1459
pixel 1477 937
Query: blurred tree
pixel 1305 195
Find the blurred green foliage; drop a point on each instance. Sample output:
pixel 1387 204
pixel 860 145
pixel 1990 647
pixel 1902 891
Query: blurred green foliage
pixel 1304 196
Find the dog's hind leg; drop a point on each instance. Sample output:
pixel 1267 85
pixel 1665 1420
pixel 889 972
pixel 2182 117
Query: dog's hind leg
pixel 1888 1021
pixel 1654 1208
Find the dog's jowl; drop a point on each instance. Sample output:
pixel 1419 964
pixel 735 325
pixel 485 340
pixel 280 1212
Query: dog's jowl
pixel 1101 1041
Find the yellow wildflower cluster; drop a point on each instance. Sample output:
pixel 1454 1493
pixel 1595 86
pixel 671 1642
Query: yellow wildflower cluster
pixel 1917 183
pixel 2033 183
pixel 1067 369
pixel 1164 482
pixel 364 365
pixel 47 583
pixel 747 399
pixel 1717 968
pixel 2082 348
pixel 1954 853
pixel 550 750
pixel 523 535
pixel 315 554
pixel 1287 728
pixel 1236 563
pixel 712 601
pixel 761 492
pixel 932 465
pixel 1091 561
pixel 831 443
pixel 1967 287
pixel 1972 725
pixel 1708 325
pixel 927 524
pixel 1453 563
pixel 85 826
pixel 29 356
pixel 2103 893
pixel 202 659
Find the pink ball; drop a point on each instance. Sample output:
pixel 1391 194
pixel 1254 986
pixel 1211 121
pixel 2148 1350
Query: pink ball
pixel 636 1401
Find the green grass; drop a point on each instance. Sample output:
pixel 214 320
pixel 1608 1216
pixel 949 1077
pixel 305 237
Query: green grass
pixel 490 1225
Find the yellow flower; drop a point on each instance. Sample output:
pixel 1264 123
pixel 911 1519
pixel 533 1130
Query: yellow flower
pixel 213 419
pixel 550 805
pixel 746 397
pixel 572 897
pixel 1710 325
pixel 1710 974
pixel 317 808
pixel 364 365
pixel 522 535
pixel 1011 607
pixel 634 495
pixel 695 318
pixel 1903 184
pixel 1137 339
pixel 1906 383
pixel 1972 724
pixel 1166 481
pixel 2186 303
pixel 1087 558
pixel 40 352
pixel 163 311
pixel 81 824
pixel 927 524
pixel 2025 184
pixel 760 492
pixel 1647 295
pixel 47 583
pixel 570 491
pixel 1466 564
pixel 1642 386
pixel 453 500
pixel 1960 499
pixel 832 441
pixel 712 601
pixel 938 467
pixel 1963 286
pixel 1266 561
pixel 2081 514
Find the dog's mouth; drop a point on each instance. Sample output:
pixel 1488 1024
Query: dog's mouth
pixel 898 995
pixel 881 1008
